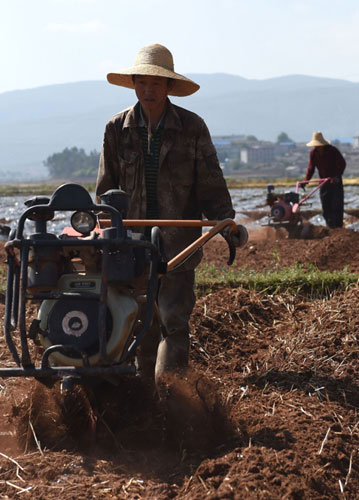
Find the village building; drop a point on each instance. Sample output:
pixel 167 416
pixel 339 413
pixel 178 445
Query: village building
pixel 258 153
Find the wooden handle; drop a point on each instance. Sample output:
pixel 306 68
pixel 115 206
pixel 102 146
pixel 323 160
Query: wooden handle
pixel 161 222
pixel 201 241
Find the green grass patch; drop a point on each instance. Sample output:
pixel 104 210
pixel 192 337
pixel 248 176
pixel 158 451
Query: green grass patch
pixel 49 186
pixel 38 189
pixel 240 182
pixel 296 279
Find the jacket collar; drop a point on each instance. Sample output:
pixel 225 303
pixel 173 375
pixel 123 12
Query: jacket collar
pixel 172 120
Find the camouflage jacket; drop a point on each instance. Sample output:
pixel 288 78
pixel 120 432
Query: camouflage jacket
pixel 190 181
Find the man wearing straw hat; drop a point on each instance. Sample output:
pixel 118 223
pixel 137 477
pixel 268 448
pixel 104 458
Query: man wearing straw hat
pixel 163 157
pixel 330 163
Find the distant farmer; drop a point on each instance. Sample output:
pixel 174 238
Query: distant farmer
pixel 163 157
pixel 330 163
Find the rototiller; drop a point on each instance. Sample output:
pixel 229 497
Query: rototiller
pixel 285 208
pixel 91 283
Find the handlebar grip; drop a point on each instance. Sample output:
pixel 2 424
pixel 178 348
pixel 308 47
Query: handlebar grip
pixel 232 251
pixel 235 239
pixel 242 235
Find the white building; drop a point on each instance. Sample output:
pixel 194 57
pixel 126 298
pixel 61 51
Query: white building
pixel 257 154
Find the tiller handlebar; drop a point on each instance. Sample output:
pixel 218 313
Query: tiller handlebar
pixel 218 227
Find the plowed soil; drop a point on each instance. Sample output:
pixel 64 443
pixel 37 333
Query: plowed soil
pixel 282 369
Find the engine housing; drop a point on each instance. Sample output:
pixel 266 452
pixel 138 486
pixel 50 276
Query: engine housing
pixel 75 321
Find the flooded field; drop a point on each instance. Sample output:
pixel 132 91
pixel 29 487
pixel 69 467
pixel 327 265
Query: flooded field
pixel 249 204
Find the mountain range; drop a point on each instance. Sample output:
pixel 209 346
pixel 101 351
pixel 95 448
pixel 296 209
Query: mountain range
pixel 35 123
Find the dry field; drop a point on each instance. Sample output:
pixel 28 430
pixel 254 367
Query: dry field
pixel 284 367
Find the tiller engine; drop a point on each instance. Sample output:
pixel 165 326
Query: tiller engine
pixel 95 285
pixel 285 208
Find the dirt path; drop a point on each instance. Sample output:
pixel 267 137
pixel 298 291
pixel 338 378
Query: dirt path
pixel 286 369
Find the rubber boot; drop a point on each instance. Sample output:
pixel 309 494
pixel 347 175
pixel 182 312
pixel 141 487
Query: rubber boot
pixel 172 355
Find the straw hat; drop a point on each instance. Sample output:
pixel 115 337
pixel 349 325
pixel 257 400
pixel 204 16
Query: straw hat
pixel 317 140
pixel 154 60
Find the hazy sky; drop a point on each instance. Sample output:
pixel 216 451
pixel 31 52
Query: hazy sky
pixel 56 41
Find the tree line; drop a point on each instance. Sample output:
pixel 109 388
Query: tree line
pixel 73 163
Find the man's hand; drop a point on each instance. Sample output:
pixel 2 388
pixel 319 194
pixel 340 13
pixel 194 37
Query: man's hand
pixel 238 239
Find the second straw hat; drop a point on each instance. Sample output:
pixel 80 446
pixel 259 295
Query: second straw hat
pixel 317 140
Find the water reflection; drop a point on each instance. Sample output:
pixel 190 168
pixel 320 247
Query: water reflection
pixel 244 200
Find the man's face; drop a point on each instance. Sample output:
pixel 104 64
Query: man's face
pixel 152 92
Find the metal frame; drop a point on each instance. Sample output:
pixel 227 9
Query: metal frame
pixel 17 293
pixel 320 182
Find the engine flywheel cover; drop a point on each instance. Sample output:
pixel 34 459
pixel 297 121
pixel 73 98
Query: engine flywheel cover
pixel 75 322
pixel 278 212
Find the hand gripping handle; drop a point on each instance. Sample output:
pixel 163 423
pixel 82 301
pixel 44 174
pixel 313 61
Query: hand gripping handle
pixel 236 236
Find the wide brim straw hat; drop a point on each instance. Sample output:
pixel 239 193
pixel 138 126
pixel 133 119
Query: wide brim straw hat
pixel 154 60
pixel 317 140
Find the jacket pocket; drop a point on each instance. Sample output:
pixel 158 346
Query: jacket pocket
pixel 128 170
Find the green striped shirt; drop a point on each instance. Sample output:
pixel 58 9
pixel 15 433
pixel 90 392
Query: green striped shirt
pixel 151 157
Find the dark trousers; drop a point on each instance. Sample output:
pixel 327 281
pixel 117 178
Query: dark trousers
pixel 332 199
pixel 175 301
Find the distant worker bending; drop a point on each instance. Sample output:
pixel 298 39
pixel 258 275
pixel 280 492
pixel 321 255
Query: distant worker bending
pixel 330 163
